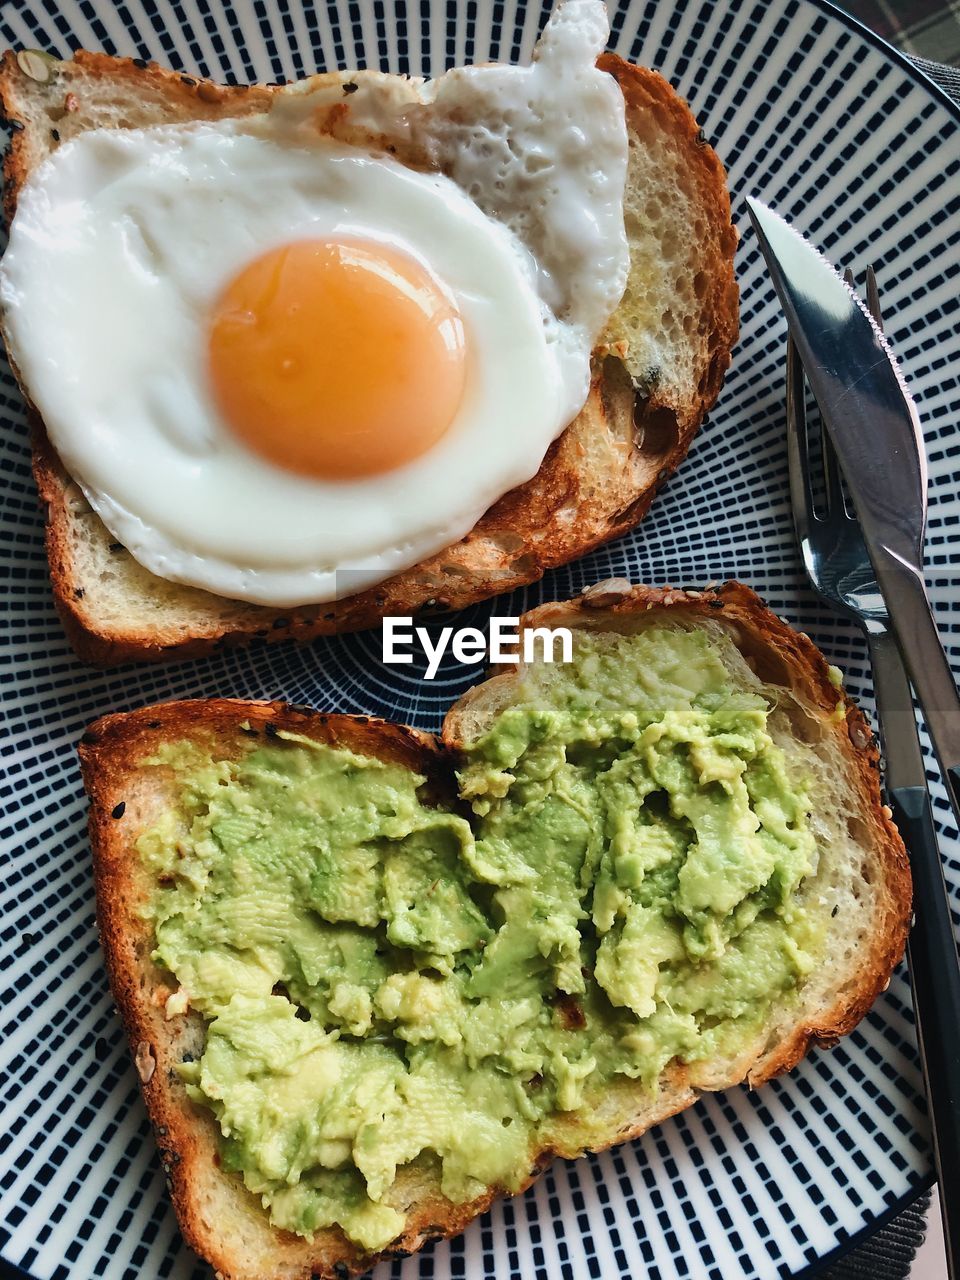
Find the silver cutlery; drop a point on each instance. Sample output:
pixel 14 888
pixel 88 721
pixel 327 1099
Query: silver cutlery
pixel 874 428
pixel 865 559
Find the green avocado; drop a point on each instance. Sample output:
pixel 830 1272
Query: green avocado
pixel 386 982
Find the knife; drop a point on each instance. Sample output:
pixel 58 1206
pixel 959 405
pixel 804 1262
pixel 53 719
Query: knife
pixel 875 430
pixel 874 427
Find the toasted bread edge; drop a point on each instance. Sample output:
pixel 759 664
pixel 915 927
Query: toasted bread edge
pixel 555 518
pixel 110 752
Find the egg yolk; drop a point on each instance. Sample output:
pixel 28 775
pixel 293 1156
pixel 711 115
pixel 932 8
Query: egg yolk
pixel 337 359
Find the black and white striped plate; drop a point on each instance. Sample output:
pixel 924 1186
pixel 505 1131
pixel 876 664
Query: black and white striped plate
pixel 847 139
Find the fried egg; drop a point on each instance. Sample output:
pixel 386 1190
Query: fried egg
pixel 283 367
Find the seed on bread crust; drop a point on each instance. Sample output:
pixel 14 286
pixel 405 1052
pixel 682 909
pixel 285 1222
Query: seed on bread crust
pixel 605 593
pixel 209 92
pixel 146 1063
pixel 37 65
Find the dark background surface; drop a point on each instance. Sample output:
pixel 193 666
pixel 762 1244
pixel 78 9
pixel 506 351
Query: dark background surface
pixel 922 28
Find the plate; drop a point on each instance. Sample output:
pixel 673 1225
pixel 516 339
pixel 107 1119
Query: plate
pixel 849 141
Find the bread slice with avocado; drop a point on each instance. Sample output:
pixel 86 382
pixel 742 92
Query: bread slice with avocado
pixel 372 980
pixel 656 372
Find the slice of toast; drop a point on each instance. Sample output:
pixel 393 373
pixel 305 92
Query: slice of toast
pixel 658 370
pixel 859 892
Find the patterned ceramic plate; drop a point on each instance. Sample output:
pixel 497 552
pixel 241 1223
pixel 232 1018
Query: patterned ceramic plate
pixel 847 139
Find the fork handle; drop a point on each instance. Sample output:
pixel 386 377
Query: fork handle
pixel 932 948
pixel 935 979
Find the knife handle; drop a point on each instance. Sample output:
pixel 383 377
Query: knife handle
pixel 932 948
pixel 916 628
pixel 935 979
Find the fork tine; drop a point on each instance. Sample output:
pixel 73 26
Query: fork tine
pixel 801 490
pixel 833 495
pixel 873 297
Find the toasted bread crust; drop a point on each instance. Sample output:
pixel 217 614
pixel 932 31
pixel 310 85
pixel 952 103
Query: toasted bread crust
pixel 110 754
pixel 187 1136
pixel 178 97
pixel 792 659
pixel 596 482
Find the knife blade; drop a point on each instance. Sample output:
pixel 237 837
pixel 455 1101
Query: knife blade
pixel 857 383
pixel 875 429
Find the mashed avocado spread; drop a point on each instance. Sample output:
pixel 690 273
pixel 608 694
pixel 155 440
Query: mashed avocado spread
pixel 386 982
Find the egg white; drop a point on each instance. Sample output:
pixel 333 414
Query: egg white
pixel 123 240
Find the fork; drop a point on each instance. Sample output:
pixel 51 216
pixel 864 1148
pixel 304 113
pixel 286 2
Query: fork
pixel 838 565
